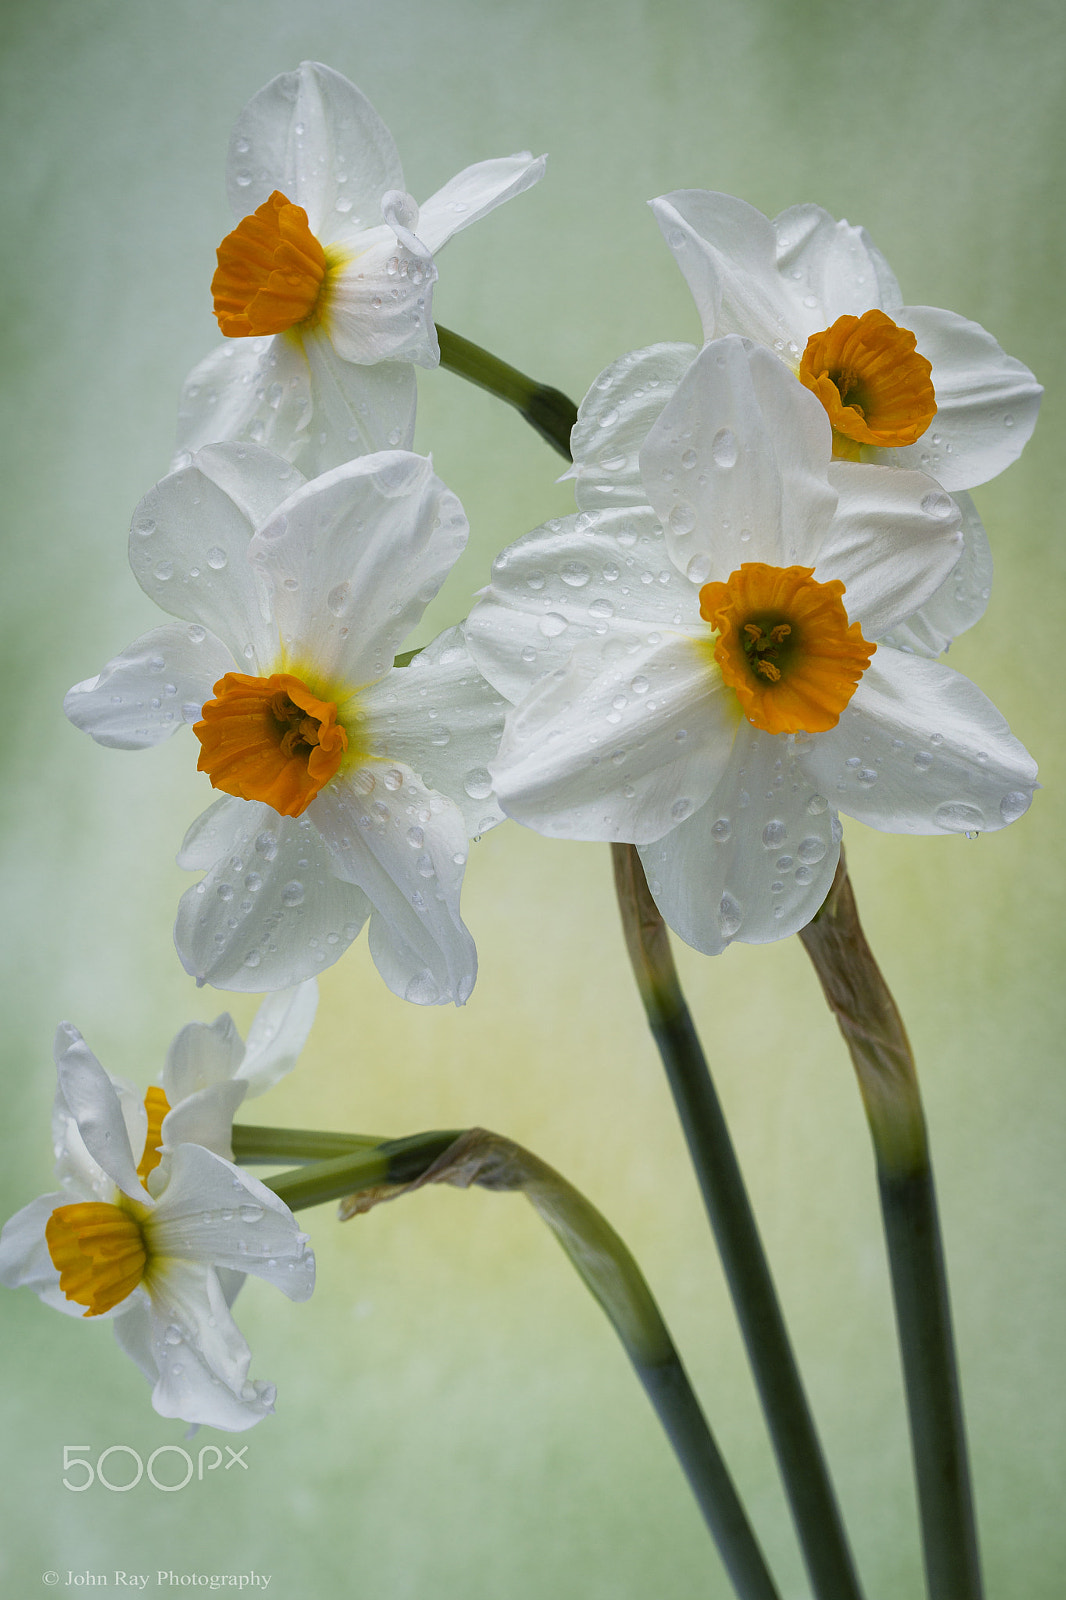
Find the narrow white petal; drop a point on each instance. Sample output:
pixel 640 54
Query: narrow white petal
pixel 379 305
pixel 987 402
pixel 961 599
pixel 735 467
pixel 278 1033
pixel 214 1213
pixel 614 419
pixel 354 558
pixel 921 750
pixel 204 1117
pixel 198 1351
pixel 474 192
pixel 93 1102
pixel 255 390
pixel 728 253
pixel 833 264
pixel 894 540
pixel 756 861
pixel 75 1168
pixel 311 134
pixel 602 576
pixel 25 1262
pixel 405 847
pixel 201 1055
pixel 357 409
pixel 442 719
pixel 617 747
pixel 270 911
pixel 155 686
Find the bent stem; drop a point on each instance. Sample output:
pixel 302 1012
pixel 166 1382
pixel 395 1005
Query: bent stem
pixel 390 1168
pixel 799 1455
pixel 875 1036
pixel 547 410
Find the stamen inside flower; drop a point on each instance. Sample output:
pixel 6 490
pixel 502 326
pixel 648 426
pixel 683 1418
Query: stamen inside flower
pixel 99 1253
pixel 271 269
pixel 157 1105
pixel 270 739
pixel 872 382
pixel 786 646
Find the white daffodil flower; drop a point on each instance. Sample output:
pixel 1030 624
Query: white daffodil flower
pixel 324 288
pixel 350 787
pixel 158 1236
pixel 910 386
pixel 702 671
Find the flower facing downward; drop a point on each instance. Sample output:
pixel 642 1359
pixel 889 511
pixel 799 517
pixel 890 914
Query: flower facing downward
pixel 324 288
pixel 910 386
pixel 692 669
pixel 158 1235
pixel 348 788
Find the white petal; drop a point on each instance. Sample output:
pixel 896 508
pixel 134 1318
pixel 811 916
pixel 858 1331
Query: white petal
pixel 25 1262
pixel 256 390
pixel 355 557
pixel 735 468
pixel 311 134
pixel 728 253
pixel 617 747
pixel 405 847
pixel 357 409
pixel 987 402
pixel 270 911
pixel 201 1055
pixel 93 1102
pixel 613 421
pixel 474 192
pixel 833 264
pixel 204 1117
pixel 134 1330
pixel 961 599
pixel 921 750
pixel 756 861
pixel 379 305
pixel 441 718
pixel 594 576
pixel 198 1351
pixel 189 543
pixel 156 685
pixel 278 1033
pixel 216 1214
pixel 894 540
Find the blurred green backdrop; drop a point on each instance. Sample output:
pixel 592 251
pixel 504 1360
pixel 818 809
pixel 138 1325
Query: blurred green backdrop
pixel 454 1416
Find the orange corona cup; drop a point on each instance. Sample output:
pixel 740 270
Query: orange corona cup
pixel 871 380
pixel 785 645
pixel 270 739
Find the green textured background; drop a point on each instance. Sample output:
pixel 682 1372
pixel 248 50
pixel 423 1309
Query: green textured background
pixel 454 1417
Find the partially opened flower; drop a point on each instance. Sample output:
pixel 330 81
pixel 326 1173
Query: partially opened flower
pixel 324 288
pixel 699 673
pixel 912 386
pixel 350 787
pixel 157 1239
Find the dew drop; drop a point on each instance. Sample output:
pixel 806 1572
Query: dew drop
pixel 216 558
pixel 923 760
pixel 817 804
pixel 478 783
pixel 774 835
pixel 552 625
pixel 574 573
pixel 959 816
pixel 724 448
pixel 811 850
pixel 729 916
pixel 293 892
pixel 1013 805
pixel 722 830
pixel 682 518
pixel 938 505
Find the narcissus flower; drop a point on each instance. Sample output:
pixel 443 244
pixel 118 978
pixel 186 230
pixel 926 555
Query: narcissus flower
pixel 158 1236
pixel 349 787
pixel 703 671
pixel 324 288
pixel 902 385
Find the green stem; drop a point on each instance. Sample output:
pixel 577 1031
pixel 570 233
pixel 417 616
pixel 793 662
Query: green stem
pixel 877 1041
pixel 547 410
pixel 792 1432
pixel 612 1276
pixel 273 1145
